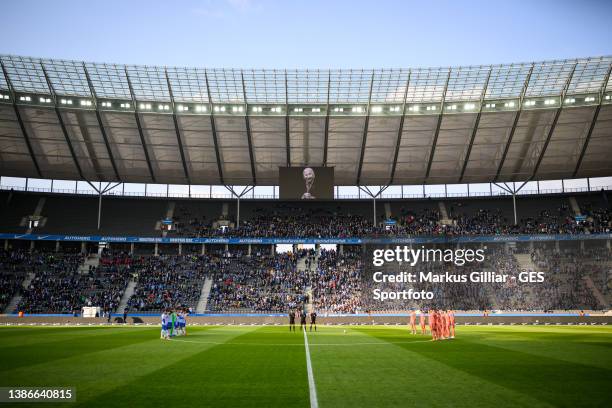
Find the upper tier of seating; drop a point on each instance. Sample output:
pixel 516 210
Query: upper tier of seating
pixel 121 216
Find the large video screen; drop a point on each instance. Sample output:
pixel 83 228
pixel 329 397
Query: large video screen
pixel 306 183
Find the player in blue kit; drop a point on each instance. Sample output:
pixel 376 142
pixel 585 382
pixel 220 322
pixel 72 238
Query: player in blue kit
pixel 164 324
pixel 185 313
pixel 181 323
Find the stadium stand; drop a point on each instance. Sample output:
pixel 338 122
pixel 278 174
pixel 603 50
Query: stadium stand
pixel 168 281
pixel 200 218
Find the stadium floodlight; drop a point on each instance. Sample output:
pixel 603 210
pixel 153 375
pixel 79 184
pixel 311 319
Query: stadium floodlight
pixel 2 96
pixel 200 108
pixel 469 106
pixel 452 107
pixel 338 109
pixel 316 110
pixel 298 109
pixel 607 98
pixel 395 108
pixel 549 102
pixel 490 105
pixel 377 109
pixel 85 103
pixel 237 109
pixel 66 101
pixel 45 100
pixel 509 104
pixel 432 107
pixel 570 100
pixel 415 108
pixel 276 109
pixel 106 104
pixel 589 99
pixel 182 108
pixel 25 98
pixel 257 109
pixel 357 109
pixel 219 108
pixel 125 105
pixel 530 103
pixel 163 107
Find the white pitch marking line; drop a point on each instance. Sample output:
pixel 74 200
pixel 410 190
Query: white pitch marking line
pixel 311 383
pixel 377 343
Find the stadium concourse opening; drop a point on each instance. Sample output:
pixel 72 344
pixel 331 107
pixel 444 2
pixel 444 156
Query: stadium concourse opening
pixel 408 219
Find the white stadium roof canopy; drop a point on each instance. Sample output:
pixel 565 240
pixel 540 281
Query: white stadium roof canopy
pixel 150 124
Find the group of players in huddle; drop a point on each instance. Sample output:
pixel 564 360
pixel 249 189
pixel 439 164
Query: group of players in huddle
pixel 173 323
pixel 441 323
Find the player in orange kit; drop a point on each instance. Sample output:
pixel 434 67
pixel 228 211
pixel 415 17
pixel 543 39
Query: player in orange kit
pixel 451 316
pixel 422 321
pixel 432 324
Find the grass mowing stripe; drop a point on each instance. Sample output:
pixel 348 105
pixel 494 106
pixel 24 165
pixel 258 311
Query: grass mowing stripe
pixel 18 336
pixel 101 372
pixel 222 375
pixel 589 350
pixel 40 352
pixel 311 382
pixel 546 379
pixel 393 376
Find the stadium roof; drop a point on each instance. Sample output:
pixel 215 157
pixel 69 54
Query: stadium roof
pixel 151 124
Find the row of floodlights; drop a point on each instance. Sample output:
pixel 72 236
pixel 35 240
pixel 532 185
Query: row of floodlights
pixel 277 109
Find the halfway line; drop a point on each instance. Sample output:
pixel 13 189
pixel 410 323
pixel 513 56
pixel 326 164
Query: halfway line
pixel 311 383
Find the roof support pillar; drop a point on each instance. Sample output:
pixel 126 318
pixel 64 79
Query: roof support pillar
pixel 100 123
pixel 176 129
pixel 287 128
pixel 140 132
pixel 399 132
pixel 326 135
pixel 554 123
pixel 365 130
pixel 214 129
pixel 20 120
pixel 61 121
pixel 248 130
pixel 514 124
pixel 592 126
pixel 437 132
pixel 476 123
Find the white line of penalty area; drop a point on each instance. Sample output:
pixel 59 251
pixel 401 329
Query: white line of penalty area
pixel 229 343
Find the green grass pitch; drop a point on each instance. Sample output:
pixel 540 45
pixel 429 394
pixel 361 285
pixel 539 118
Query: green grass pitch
pixel 373 366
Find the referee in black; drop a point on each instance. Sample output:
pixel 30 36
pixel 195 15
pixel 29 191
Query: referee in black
pixel 291 320
pixel 313 320
pixel 302 320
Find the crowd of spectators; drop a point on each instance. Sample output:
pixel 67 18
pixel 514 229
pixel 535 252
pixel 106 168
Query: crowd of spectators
pixel 568 275
pixel 333 282
pixel 565 286
pixel 14 266
pixel 168 281
pixel 337 283
pixel 62 285
pixel 57 285
pixel 270 283
pixel 297 221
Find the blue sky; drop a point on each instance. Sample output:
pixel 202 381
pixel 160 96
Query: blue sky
pixel 306 34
